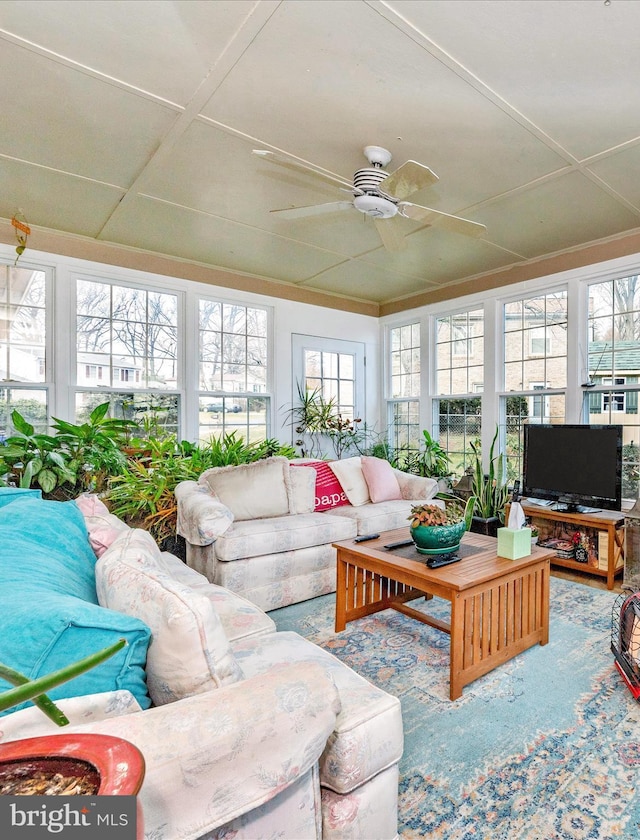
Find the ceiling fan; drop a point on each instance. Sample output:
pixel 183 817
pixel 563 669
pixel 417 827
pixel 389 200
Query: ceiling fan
pixel 379 194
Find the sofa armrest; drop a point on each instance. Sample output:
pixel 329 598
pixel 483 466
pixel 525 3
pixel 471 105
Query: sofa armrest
pixel 201 517
pixel 416 487
pixel 215 756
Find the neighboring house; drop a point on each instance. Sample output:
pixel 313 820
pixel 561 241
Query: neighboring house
pixel 615 391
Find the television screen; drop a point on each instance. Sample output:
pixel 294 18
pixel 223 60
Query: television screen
pixel 578 467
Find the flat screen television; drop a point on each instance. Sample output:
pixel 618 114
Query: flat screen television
pixel 575 468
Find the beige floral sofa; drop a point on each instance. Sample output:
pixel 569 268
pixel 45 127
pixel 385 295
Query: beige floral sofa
pixel 262 529
pixel 246 732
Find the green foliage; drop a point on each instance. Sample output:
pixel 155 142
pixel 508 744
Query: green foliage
pixel 431 461
pixel 26 689
pixel 316 419
pixel 491 490
pixel 29 459
pixel 94 447
pixel 143 493
pixel 76 458
pixel 455 510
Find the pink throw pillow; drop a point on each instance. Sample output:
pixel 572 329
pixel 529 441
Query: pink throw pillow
pixel 102 538
pixel 329 492
pixel 103 527
pixel 381 480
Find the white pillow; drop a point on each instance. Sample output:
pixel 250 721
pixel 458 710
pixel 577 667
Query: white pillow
pixel 252 491
pixel 189 652
pixel 349 474
pixel 303 489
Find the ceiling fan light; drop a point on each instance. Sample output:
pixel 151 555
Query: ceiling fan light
pixel 375 205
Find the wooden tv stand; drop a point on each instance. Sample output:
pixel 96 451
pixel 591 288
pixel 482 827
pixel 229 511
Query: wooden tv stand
pixel 605 526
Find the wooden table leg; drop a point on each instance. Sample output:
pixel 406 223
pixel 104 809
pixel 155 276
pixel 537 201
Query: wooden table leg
pixel 544 613
pixel 341 594
pixel 456 651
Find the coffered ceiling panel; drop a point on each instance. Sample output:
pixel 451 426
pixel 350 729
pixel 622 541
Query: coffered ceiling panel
pixel 133 124
pixel 55 200
pixel 163 48
pixel 58 117
pixel 150 224
pixel 568 66
pixel 556 215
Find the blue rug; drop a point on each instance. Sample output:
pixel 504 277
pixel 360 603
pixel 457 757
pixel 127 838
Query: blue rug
pixel 546 747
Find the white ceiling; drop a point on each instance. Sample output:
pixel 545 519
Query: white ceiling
pixel 133 123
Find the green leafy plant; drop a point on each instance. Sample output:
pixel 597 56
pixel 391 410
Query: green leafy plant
pixel 455 510
pixel 431 460
pixel 316 419
pixel 94 448
pixel 431 515
pixel 490 489
pixel 26 689
pixel 143 493
pixel 31 459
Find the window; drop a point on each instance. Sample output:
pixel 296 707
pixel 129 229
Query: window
pixel 233 369
pixel 460 352
pixel 404 406
pixel 614 367
pixel 538 404
pixel 535 368
pixel 128 337
pixel 613 400
pixel 332 375
pixel 539 342
pixel 23 362
pixel 459 424
pixel 459 374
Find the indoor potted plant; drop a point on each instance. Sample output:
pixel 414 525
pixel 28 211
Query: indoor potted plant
pixel 490 489
pixel 435 530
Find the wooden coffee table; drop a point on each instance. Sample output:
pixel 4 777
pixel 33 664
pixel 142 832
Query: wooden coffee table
pixel 499 607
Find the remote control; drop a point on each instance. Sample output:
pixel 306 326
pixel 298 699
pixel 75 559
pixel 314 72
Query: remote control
pixel 398 544
pixel 367 537
pixel 436 562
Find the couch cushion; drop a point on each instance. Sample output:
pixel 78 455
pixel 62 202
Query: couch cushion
pixel 303 488
pixel 239 617
pixel 368 733
pixel 381 479
pixel 252 491
pixel 349 473
pixel 275 580
pixel 189 652
pixel 256 537
pixel 328 490
pixel 87 708
pixel 50 612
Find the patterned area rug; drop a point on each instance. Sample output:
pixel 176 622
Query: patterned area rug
pixel 546 747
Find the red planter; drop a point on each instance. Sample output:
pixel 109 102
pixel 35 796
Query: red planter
pixel 118 766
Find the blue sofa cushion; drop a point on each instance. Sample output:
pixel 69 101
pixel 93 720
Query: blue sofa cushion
pixel 49 612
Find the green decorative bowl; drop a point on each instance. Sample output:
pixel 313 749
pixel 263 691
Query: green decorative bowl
pixel 438 539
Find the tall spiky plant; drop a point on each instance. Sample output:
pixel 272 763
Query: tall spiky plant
pixel 490 489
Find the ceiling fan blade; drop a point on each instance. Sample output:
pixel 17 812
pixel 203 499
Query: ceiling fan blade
pixel 298 166
pixel 456 224
pixel 313 210
pixel 390 233
pixel 408 179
